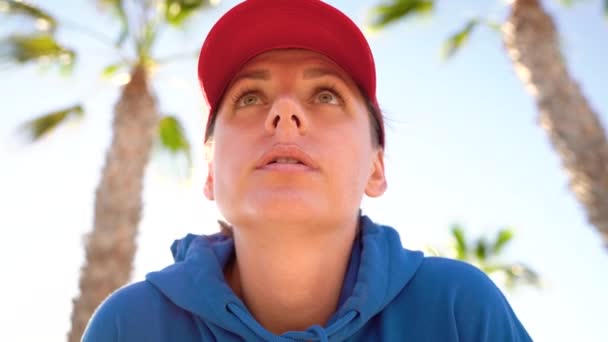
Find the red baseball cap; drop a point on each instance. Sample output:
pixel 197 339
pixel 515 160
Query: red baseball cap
pixel 257 26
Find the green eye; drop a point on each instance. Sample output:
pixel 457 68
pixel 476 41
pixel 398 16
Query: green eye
pixel 248 100
pixel 327 97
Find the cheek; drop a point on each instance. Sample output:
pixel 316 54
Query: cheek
pixel 350 166
pixel 230 144
pixel 226 167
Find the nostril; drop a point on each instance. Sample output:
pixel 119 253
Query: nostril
pixel 296 119
pixel 275 121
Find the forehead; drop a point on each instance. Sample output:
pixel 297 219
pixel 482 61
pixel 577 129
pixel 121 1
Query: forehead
pixel 308 64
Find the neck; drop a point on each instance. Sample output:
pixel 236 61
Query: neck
pixel 291 277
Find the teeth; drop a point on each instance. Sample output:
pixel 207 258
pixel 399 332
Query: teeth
pixel 286 161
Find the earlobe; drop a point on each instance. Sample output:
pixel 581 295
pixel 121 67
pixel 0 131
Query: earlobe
pixel 208 189
pixel 376 184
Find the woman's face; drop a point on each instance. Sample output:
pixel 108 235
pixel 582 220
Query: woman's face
pixel 292 143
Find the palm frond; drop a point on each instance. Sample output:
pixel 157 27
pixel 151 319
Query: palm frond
pixel 40 47
pixel 44 21
pixel 145 42
pixel 481 250
pixel 570 3
pixel 492 24
pixel 385 14
pixel 460 242
pixel 520 273
pixel 430 250
pixel 172 138
pixel 178 11
pixel 503 238
pixel 117 8
pixel 456 41
pixel 112 69
pixel 46 123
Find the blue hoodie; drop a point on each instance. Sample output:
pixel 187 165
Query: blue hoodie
pixel 388 294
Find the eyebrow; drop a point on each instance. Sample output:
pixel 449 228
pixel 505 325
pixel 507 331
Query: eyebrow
pixel 257 74
pixel 264 74
pixel 320 72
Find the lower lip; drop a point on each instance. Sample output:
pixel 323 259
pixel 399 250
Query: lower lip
pixel 284 167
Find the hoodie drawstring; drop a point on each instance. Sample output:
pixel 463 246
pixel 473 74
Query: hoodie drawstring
pixel 316 332
pixel 320 332
pixel 252 324
pixel 342 322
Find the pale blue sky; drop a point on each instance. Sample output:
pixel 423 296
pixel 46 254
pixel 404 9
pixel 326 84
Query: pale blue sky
pixel 463 145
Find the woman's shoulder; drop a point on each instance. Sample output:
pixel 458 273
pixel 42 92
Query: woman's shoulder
pixel 456 281
pixel 451 272
pixel 467 296
pixel 134 311
pixel 135 298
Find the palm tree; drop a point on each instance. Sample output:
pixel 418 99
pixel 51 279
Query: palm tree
pixel 486 254
pixel 574 128
pixel 137 124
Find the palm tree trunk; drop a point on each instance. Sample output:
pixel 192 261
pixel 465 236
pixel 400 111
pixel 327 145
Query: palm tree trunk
pixel 574 129
pixel 110 247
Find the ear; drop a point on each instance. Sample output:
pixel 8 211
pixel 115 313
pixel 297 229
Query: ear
pixel 376 183
pixel 208 189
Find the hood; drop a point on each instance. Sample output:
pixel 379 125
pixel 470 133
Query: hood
pixel 378 270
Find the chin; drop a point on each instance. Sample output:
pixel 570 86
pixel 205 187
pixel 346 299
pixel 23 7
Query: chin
pixel 288 205
pixel 283 205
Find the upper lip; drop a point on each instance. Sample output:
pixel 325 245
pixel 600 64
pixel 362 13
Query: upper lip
pixel 286 151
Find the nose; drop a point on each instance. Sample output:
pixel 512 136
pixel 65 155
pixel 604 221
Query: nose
pixel 286 117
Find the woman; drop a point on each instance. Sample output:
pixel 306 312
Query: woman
pixel 297 140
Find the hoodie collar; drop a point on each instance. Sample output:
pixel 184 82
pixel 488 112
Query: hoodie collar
pixel 379 268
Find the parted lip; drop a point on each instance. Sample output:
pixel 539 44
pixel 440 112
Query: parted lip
pixel 286 151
